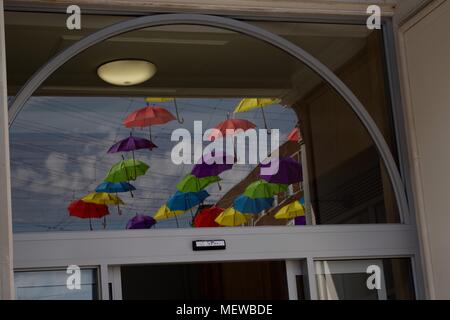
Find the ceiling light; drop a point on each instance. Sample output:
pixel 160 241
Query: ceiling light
pixel 126 72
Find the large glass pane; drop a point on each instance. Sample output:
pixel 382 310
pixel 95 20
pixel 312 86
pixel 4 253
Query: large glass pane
pixel 378 279
pixel 52 285
pixel 59 141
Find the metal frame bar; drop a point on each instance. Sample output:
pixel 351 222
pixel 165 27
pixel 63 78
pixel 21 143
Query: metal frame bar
pixel 238 26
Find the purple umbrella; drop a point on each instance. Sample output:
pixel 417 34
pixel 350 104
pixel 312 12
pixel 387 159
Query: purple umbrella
pixel 130 144
pixel 289 171
pixel 213 165
pixel 141 222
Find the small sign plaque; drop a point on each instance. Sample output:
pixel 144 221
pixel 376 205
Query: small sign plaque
pixel 203 245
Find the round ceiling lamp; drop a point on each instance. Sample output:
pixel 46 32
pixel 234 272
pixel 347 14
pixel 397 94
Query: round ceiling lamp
pixel 126 72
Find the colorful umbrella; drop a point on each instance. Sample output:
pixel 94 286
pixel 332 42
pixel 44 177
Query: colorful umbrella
pixel 165 213
pixel 86 210
pixel 191 183
pixel 213 164
pixel 253 103
pixel 147 117
pixel 186 200
pixel 141 222
pixel 289 171
pixel 102 198
pixel 294 135
pixel 290 211
pixel 263 189
pixel 131 144
pixel 232 124
pixel 206 218
pixel 248 205
pixel 159 100
pixel 126 170
pixel 114 187
pixel 231 218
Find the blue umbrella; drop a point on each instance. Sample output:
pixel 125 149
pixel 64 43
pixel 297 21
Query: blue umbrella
pixel 302 201
pixel 248 205
pixel 186 200
pixel 114 187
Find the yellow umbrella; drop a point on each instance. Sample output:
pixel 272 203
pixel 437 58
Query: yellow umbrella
pixel 165 99
pixel 102 198
pixel 231 218
pixel 291 211
pixel 253 103
pixel 165 213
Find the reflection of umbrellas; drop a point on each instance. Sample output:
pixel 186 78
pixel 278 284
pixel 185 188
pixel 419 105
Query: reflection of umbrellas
pixel 263 189
pixel 86 210
pixel 126 170
pixel 191 183
pixel 213 165
pixel 294 135
pixel 159 100
pixel 186 200
pixel 206 218
pixel 131 144
pixel 231 218
pixel 248 205
pixel 232 124
pixel 253 103
pixel 102 198
pixel 141 222
pixel 147 117
pixel 289 171
pixel 291 211
pixel 114 187
pixel 165 213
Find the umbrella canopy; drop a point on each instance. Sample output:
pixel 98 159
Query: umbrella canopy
pixel 248 205
pixel 126 170
pixel 206 218
pixel 263 189
pixel 186 200
pixel 213 165
pixel 130 144
pixel 102 198
pixel 253 103
pixel 232 124
pixel 86 210
pixel 291 211
pixel 294 135
pixel 191 183
pixel 114 187
pixel 148 116
pixel 165 213
pixel 231 218
pixel 289 171
pixel 141 221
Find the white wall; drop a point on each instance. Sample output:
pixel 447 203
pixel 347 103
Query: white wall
pixel 425 56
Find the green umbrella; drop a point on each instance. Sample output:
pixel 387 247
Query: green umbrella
pixel 263 189
pixel 126 170
pixel 191 183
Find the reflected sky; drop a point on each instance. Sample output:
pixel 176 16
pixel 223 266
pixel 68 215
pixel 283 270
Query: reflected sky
pixel 58 154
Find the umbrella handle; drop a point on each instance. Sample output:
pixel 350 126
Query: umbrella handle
pixel 269 132
pixel 179 118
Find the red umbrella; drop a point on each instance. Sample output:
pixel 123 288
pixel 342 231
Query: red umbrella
pixel 205 218
pixel 147 117
pixel 232 124
pixel 86 210
pixel 295 135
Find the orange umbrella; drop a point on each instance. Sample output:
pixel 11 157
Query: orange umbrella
pixel 147 117
pixel 232 124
